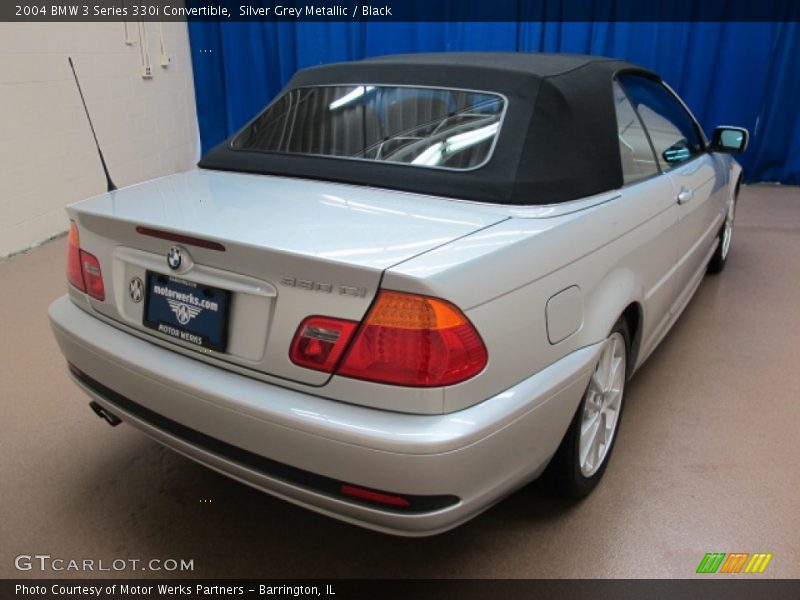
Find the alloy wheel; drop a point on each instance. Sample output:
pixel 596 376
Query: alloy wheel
pixel 602 404
pixel 727 232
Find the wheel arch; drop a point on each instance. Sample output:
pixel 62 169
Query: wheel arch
pixel 633 315
pixel 737 176
pixel 618 296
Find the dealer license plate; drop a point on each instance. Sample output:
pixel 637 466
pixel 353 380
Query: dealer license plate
pixel 188 311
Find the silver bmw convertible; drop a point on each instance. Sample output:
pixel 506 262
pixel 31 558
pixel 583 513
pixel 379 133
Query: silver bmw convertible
pixel 409 285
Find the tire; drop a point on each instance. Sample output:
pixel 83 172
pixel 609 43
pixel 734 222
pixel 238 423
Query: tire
pixel 575 477
pixel 725 238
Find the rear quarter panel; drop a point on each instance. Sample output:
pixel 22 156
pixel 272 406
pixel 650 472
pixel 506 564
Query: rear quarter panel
pixel 618 251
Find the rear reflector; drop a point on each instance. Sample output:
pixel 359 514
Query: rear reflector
pixel 74 369
pixel 74 273
pixel 416 341
pixel 320 341
pixel 181 239
pixel 373 496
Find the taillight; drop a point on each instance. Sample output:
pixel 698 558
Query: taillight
pixel 405 339
pixel 83 269
pixel 414 340
pixel 92 276
pixel 74 276
pixel 320 341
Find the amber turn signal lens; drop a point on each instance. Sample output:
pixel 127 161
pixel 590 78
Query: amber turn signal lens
pixel 409 311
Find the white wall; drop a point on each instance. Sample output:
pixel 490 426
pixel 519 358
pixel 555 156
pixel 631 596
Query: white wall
pixel 146 127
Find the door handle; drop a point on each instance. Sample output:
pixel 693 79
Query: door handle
pixel 684 196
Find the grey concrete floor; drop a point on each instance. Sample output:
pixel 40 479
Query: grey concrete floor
pixel 707 460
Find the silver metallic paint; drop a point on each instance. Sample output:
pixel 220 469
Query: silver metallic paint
pixel 479 454
pixel 479 439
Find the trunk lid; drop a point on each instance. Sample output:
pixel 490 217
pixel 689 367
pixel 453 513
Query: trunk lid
pixel 292 248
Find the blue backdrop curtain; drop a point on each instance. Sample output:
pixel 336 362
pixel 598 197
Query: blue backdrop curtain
pixel 734 73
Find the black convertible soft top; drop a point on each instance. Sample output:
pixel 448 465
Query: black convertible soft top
pixel 558 141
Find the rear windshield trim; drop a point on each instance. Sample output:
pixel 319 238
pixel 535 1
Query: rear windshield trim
pixel 483 163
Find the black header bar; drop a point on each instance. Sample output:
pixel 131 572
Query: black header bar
pixel 400 10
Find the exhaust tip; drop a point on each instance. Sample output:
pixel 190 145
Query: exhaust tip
pixel 104 413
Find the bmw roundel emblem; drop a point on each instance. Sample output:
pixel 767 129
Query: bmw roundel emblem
pixel 136 289
pixel 175 258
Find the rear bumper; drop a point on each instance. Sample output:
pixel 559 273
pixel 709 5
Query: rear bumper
pixel 242 427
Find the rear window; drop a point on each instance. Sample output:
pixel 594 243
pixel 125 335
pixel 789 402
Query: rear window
pixel 426 127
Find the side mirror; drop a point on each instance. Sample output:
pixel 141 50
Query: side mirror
pixel 731 140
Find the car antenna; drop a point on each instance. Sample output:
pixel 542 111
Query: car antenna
pixel 110 184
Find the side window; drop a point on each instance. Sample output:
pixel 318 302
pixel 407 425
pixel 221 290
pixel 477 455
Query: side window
pixel 672 130
pixel 637 157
